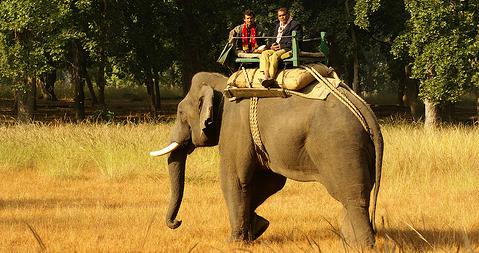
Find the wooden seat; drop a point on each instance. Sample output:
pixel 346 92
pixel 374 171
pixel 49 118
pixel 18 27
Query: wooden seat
pixel 248 55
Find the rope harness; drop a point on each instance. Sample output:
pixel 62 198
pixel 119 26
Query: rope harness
pixel 263 156
pixel 341 97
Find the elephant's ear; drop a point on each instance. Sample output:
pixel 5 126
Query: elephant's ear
pixel 206 107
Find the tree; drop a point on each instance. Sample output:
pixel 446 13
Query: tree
pixel 28 42
pixel 441 38
pixel 148 43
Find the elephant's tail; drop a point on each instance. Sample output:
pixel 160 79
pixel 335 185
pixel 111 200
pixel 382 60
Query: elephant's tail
pixel 378 141
pixel 377 138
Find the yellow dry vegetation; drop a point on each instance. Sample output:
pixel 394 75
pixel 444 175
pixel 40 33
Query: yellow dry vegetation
pixel 93 188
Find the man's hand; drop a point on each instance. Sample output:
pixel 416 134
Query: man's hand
pixel 275 46
pixel 260 49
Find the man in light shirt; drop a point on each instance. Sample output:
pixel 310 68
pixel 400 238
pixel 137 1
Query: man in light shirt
pixel 280 49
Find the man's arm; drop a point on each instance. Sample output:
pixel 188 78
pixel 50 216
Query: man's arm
pixel 236 32
pixel 233 33
pixel 288 42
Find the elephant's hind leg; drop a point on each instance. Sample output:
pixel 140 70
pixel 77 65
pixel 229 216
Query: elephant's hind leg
pixel 355 225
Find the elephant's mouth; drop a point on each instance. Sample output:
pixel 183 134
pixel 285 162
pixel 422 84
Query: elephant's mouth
pixel 190 147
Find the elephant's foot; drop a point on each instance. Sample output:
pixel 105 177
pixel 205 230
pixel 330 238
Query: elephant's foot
pixel 259 225
pixel 256 229
pixel 356 228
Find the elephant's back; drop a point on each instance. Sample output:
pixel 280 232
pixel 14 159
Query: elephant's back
pixel 299 134
pixel 307 114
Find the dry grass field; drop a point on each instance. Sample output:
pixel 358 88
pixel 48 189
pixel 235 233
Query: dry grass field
pixel 93 188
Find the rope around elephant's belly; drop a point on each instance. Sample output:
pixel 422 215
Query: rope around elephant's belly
pixel 263 156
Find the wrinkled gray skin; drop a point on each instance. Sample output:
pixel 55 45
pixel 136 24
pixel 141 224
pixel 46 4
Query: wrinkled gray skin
pixel 307 140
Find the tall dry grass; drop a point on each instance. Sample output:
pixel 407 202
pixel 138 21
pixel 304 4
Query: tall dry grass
pixel 71 150
pixel 93 188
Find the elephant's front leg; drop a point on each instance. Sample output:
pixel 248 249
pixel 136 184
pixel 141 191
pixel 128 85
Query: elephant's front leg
pixel 237 192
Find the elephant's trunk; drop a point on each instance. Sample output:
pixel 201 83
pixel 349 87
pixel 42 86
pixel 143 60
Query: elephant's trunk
pixel 176 167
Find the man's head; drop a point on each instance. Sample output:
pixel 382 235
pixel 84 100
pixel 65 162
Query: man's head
pixel 248 17
pixel 283 15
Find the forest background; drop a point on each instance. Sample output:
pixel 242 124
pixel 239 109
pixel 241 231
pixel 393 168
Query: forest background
pixel 421 54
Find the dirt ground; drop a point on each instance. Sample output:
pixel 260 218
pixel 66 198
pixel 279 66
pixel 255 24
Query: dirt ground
pixel 137 111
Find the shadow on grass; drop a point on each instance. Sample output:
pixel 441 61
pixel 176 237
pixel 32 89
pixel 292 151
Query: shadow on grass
pixel 406 240
pixel 431 238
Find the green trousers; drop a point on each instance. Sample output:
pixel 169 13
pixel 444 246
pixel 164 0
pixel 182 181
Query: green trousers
pixel 269 61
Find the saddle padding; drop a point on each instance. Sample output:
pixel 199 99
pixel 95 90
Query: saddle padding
pixel 298 78
pixel 291 79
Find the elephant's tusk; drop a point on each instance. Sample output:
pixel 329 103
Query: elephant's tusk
pixel 166 150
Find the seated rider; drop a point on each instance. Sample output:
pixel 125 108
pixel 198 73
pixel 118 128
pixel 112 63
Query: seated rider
pixel 281 48
pixel 248 31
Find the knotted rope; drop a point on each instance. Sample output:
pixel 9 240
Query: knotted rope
pixel 263 156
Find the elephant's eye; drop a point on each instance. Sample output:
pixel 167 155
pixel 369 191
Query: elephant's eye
pixel 181 114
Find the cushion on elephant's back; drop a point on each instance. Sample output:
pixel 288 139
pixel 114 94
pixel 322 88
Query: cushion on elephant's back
pixel 243 79
pixel 298 78
pixel 291 79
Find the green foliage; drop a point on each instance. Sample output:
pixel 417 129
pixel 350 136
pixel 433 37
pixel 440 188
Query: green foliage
pixel 27 38
pixel 440 39
pixel 164 40
pixel 363 9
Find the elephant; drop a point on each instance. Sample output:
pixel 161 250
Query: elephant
pixel 305 140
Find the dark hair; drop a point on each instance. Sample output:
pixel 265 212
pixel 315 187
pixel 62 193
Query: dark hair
pixel 283 9
pixel 248 12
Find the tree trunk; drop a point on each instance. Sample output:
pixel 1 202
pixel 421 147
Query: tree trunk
pixel 156 85
pixel 411 94
pixel 89 84
pixel 100 75
pixel 100 83
pixel 41 88
pixel 356 65
pixel 431 114
pixel 333 55
pixel 151 94
pixel 190 50
pixel 401 91
pixel 26 101
pixel 77 81
pixel 477 104
pixel 34 91
pixel 354 42
pixel 47 85
pixel 477 108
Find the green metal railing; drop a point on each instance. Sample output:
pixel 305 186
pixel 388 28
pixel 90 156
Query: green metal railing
pixel 295 59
